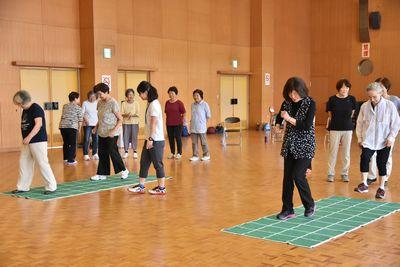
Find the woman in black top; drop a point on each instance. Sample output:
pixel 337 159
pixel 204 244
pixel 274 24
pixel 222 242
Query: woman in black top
pixel 298 148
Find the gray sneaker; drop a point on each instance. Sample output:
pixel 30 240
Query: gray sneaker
pixel 345 178
pixel 330 178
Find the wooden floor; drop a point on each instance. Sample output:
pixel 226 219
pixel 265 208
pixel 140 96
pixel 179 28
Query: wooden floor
pixel 115 228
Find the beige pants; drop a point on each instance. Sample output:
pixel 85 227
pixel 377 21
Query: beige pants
pixel 335 138
pixel 372 166
pixel 36 152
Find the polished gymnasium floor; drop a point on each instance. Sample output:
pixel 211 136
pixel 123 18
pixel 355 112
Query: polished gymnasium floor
pixel 116 228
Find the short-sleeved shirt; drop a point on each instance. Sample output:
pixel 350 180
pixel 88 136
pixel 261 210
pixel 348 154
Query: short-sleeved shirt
pixel 154 110
pixel 130 108
pixel 107 119
pixel 174 113
pixel 71 116
pixel 200 113
pixel 89 111
pixel 28 122
pixel 341 109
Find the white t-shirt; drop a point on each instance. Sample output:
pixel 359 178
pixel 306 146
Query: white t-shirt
pixel 154 110
pixel 89 111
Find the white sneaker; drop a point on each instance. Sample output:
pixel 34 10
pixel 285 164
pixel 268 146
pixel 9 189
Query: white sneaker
pixel 205 158
pixel 135 155
pixel 98 177
pixel 124 174
pixel 72 163
pixel 178 156
pixel 171 156
pixel 125 155
pixel 137 189
pixel 95 156
pixel 194 158
pixel 86 157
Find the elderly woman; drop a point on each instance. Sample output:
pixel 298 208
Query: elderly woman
pixel 34 149
pixel 377 126
pixel 298 148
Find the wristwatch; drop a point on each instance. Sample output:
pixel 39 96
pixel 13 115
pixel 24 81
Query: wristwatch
pixel 150 139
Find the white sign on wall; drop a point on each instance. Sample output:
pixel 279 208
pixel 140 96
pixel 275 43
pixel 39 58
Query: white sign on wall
pixel 106 79
pixel 267 79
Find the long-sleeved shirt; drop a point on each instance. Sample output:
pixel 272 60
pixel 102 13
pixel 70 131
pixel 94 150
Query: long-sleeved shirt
pixel 376 125
pixel 71 116
pixel 300 124
pixel 200 114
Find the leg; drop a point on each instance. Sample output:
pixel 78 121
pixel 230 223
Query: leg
pixel 372 174
pixel 366 155
pixel 195 137
pixel 126 134
pixel 65 145
pixel 116 159
pixel 86 139
pixel 156 155
pixel 178 137
pixel 134 137
pixel 381 161
pixel 288 185
pixel 26 169
pixel 299 175
pixel 145 162
pixel 170 132
pixel 204 145
pixel 334 140
pixel 39 153
pixel 104 158
pixel 346 144
pixel 95 141
pixel 389 163
pixel 74 143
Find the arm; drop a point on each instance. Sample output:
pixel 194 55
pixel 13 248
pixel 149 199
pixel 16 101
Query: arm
pixel 123 112
pixel 35 130
pixel 153 125
pixel 394 125
pixel 85 118
pixel 119 120
pixel 359 127
pixel 208 112
pixel 305 124
pixel 182 110
pixel 80 119
pixel 137 108
pixel 328 121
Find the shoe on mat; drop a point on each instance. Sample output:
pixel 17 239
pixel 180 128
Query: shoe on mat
pixel 310 211
pixel 371 181
pixel 194 158
pixel 361 188
pixel 380 193
pixel 157 191
pixel 284 215
pixel 16 191
pixel 48 192
pixel 345 178
pixel 98 177
pixel 124 174
pixel 86 157
pixel 330 178
pixel 95 157
pixel 137 189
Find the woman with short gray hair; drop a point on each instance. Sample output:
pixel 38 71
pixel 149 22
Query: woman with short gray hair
pixel 34 149
pixel 377 126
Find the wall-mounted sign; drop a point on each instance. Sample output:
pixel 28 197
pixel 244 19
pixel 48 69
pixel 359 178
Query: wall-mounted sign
pixel 267 79
pixel 107 52
pixel 365 47
pixel 106 79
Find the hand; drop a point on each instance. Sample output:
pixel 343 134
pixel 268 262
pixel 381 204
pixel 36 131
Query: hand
pixel 277 129
pixel 112 134
pixel 149 144
pixel 26 140
pixel 388 143
pixel 285 115
pixel 94 130
pixel 360 145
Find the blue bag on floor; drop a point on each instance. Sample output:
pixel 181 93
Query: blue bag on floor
pixel 185 132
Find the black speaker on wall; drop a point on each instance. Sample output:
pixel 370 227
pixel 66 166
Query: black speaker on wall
pixel 375 20
pixel 363 21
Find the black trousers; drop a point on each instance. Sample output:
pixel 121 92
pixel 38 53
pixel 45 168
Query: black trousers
pixel 108 149
pixel 153 155
pixel 382 157
pixel 175 133
pixel 70 138
pixel 295 173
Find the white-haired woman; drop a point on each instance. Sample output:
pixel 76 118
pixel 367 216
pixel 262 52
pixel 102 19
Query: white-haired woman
pixel 377 126
pixel 34 149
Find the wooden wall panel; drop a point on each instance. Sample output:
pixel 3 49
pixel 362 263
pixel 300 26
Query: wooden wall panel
pixel 67 40
pixel 22 11
pixel 240 22
pixel 124 16
pixel 199 57
pixel 147 16
pixel 174 55
pixel 61 13
pixel 199 20
pixel 124 50
pixel 221 16
pixel 147 51
pixel 174 19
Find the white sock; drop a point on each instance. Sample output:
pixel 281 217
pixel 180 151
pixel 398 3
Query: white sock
pixel 383 180
pixel 364 177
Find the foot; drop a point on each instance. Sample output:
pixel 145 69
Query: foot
pixel 98 177
pixel 157 191
pixel 284 215
pixel 86 157
pixel 95 157
pixel 171 156
pixel 124 174
pixel 386 183
pixel 178 156
pixel 380 193
pixel 126 155
pixel 137 189
pixel 361 188
pixel 345 178
pixel 194 158
pixel 135 155
pixel 48 192
pixel 72 162
pixel 16 191
pixel 371 181
pixel 331 178
pixel 310 211
pixel 206 158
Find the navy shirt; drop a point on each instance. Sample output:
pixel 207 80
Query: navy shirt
pixel 341 109
pixel 28 122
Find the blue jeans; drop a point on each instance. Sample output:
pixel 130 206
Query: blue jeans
pixel 86 140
